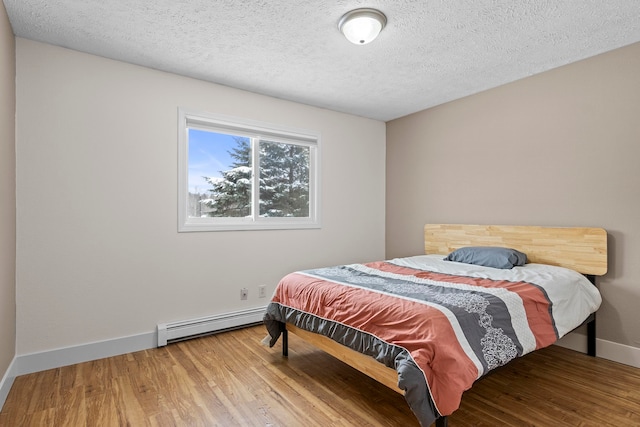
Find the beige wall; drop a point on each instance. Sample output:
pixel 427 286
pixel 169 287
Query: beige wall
pixel 559 148
pixel 7 194
pixel 99 255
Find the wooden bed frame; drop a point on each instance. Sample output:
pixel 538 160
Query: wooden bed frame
pixel 578 248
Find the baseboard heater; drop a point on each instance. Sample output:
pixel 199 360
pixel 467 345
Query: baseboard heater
pixel 186 329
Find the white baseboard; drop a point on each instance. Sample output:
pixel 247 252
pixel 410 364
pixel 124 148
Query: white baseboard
pixel 6 383
pixel 42 361
pixel 609 350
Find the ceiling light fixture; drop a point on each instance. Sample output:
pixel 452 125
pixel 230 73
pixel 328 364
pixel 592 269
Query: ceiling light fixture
pixel 362 26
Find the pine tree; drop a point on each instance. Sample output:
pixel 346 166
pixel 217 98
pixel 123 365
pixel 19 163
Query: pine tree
pixel 231 194
pixel 284 182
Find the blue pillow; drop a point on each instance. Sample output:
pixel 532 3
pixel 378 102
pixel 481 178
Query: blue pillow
pixel 488 256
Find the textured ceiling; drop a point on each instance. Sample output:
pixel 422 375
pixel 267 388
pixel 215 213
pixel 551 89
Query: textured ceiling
pixel 430 52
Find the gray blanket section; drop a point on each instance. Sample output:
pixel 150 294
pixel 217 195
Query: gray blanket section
pixel 410 377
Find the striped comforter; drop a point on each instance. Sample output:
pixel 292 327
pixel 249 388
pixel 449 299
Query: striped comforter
pixel 440 324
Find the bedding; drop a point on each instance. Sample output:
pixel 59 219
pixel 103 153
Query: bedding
pixel 441 325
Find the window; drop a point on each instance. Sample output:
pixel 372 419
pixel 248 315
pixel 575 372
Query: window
pixel 237 174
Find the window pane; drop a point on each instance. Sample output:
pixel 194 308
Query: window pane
pixel 284 180
pixel 219 174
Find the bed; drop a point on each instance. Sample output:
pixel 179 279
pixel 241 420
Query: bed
pixel 428 327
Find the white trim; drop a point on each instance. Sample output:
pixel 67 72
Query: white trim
pixel 609 350
pixel 7 382
pixel 255 179
pixel 621 353
pixel 51 359
pixel 205 224
pixel 205 120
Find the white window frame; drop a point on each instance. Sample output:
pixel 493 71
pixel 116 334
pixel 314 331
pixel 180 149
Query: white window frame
pixel 274 133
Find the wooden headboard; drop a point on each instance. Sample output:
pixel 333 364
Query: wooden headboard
pixel 578 248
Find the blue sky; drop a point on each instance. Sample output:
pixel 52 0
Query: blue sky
pixel 208 155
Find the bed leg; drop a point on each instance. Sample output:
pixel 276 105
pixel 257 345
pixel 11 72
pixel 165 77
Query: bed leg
pixel 591 326
pixel 285 342
pixel 442 422
pixel 591 338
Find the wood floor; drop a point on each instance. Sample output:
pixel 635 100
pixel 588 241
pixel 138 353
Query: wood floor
pixel 230 379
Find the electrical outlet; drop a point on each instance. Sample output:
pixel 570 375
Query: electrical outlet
pixel 244 293
pixel 262 291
